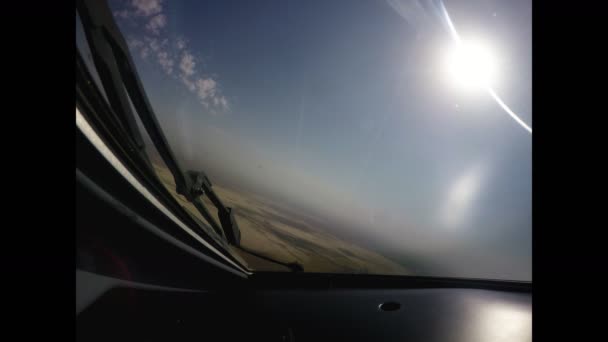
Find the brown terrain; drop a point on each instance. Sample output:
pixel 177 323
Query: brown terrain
pixel 278 233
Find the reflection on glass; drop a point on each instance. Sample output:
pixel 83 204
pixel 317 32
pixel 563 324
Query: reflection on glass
pixel 329 127
pixel 501 321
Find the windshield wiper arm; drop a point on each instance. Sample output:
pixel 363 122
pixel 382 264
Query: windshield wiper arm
pixel 293 266
pixel 201 185
pixel 118 73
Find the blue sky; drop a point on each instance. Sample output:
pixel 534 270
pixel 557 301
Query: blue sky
pixel 338 108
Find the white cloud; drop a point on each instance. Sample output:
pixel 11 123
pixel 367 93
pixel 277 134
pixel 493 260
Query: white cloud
pixel 165 61
pixel 224 103
pixel 220 102
pixel 156 23
pixel 188 83
pixel 180 43
pixel 152 43
pixel 187 64
pixel 148 14
pixel 207 91
pixel 144 52
pixel 147 7
pixel 138 46
pixel 205 88
pixel 135 43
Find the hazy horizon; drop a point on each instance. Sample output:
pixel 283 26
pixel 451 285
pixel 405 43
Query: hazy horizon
pixel 337 110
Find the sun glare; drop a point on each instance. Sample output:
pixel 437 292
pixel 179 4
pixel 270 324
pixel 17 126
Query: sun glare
pixel 470 65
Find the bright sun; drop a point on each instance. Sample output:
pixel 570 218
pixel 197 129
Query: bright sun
pixel 470 65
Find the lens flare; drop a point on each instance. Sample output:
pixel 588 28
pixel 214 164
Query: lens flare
pixel 470 65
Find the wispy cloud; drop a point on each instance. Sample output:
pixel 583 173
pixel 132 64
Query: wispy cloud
pixel 147 7
pixel 134 43
pixel 172 54
pixel 187 64
pixel 180 43
pixel 165 61
pixel 156 23
pixel 140 46
pixel 224 103
pixel 188 83
pixel 205 88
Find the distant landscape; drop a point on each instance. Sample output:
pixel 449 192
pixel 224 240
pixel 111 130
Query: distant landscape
pixel 281 233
